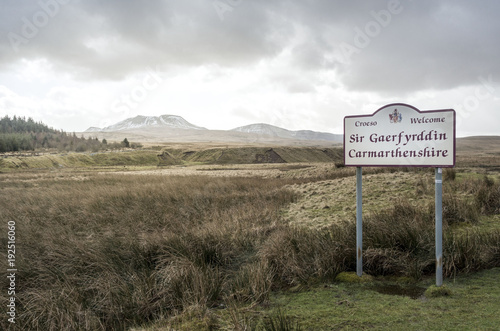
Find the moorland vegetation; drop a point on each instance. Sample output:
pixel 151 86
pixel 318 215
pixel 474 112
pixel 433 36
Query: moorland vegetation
pixel 116 251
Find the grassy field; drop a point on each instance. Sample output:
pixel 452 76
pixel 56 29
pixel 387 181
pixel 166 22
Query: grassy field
pixel 113 160
pixel 247 247
pixel 166 157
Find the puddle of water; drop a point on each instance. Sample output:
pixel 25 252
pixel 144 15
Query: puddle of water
pixel 413 292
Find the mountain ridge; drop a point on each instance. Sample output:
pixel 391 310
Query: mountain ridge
pixel 275 131
pixel 169 125
pixel 141 121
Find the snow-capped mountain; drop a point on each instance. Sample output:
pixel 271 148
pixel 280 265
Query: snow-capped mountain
pixel 93 129
pixel 267 129
pixel 139 122
pixel 176 128
pixel 274 131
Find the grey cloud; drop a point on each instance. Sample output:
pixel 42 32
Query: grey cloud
pixel 300 86
pixel 449 45
pixel 428 45
pixel 141 33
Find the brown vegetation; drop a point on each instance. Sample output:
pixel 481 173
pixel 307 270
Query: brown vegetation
pixel 109 251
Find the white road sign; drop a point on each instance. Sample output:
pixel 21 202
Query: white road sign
pixel 400 135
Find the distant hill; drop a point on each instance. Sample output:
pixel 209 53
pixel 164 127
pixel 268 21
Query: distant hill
pixel 274 131
pixel 262 128
pixel 478 144
pixel 143 122
pixel 175 128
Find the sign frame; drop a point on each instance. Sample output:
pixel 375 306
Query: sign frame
pixel 451 112
pixel 397 118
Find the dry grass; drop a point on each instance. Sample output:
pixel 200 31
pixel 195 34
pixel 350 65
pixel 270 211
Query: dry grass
pixel 109 251
pixel 321 204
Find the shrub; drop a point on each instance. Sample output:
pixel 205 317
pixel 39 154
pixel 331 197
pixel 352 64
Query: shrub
pixel 402 227
pixel 279 321
pixel 459 210
pixel 470 250
pixel 487 196
pixel 386 261
pixel 298 256
pixel 449 174
pixel 252 283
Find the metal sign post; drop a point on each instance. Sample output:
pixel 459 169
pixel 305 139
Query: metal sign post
pixel 359 221
pixel 439 226
pixel 400 135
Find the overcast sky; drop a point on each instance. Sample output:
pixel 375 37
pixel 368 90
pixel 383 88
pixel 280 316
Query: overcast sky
pixel 226 63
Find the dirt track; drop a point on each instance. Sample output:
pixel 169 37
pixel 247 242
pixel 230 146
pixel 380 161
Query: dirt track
pixel 288 170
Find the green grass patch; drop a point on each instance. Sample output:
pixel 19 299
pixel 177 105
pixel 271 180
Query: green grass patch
pixel 474 305
pixel 352 277
pixel 438 291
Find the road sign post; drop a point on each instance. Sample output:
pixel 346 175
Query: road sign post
pixel 359 221
pixel 439 226
pixel 400 135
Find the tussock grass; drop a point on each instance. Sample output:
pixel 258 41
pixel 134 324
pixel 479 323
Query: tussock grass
pixel 114 251
pixel 280 321
pixel 117 251
pixel 401 240
pixel 299 255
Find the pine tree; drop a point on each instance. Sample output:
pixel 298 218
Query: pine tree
pixel 125 143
